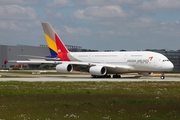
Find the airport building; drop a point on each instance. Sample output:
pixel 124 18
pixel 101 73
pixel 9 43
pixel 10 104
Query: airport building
pixel 13 53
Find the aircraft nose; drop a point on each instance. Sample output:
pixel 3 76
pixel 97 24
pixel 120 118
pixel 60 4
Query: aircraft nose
pixel 169 66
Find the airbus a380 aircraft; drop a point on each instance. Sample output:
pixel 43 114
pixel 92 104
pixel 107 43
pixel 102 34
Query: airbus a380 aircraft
pixel 102 64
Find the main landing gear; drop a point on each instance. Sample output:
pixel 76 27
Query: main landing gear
pixel 116 76
pixel 106 76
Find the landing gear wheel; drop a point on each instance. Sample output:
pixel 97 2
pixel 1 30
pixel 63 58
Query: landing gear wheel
pixel 104 76
pixel 109 76
pixel 116 76
pixel 162 77
pixel 93 76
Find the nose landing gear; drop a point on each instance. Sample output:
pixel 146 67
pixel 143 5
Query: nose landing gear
pixel 162 76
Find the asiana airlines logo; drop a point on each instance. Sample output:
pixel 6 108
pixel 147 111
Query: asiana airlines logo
pixel 145 61
pixel 150 58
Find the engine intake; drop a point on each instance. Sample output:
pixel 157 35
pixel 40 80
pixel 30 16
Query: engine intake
pixel 98 70
pixel 64 68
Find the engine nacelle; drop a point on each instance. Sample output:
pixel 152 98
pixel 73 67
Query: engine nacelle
pixel 98 70
pixel 64 68
pixel 145 73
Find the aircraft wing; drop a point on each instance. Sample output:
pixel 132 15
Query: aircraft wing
pixel 83 66
pixel 112 67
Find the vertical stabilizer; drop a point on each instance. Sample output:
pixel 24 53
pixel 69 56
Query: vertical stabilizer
pixel 55 44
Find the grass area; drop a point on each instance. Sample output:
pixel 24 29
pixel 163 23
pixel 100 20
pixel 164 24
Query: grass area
pixel 90 100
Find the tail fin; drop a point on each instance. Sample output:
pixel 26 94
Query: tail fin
pixel 55 44
pixel 50 41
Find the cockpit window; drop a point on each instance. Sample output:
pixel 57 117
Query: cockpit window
pixel 165 60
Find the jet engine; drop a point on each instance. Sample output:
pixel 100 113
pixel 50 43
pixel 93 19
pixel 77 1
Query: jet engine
pixel 145 73
pixel 98 70
pixel 64 68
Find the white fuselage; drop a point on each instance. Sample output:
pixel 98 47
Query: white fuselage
pixel 136 60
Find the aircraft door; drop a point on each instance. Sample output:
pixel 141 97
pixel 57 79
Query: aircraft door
pixel 125 57
pixel 155 63
pixel 89 57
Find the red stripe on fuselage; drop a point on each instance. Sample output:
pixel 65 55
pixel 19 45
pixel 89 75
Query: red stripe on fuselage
pixel 62 50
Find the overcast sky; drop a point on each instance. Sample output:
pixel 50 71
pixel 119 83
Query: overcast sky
pixel 93 24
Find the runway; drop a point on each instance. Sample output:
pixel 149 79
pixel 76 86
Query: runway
pixel 83 78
